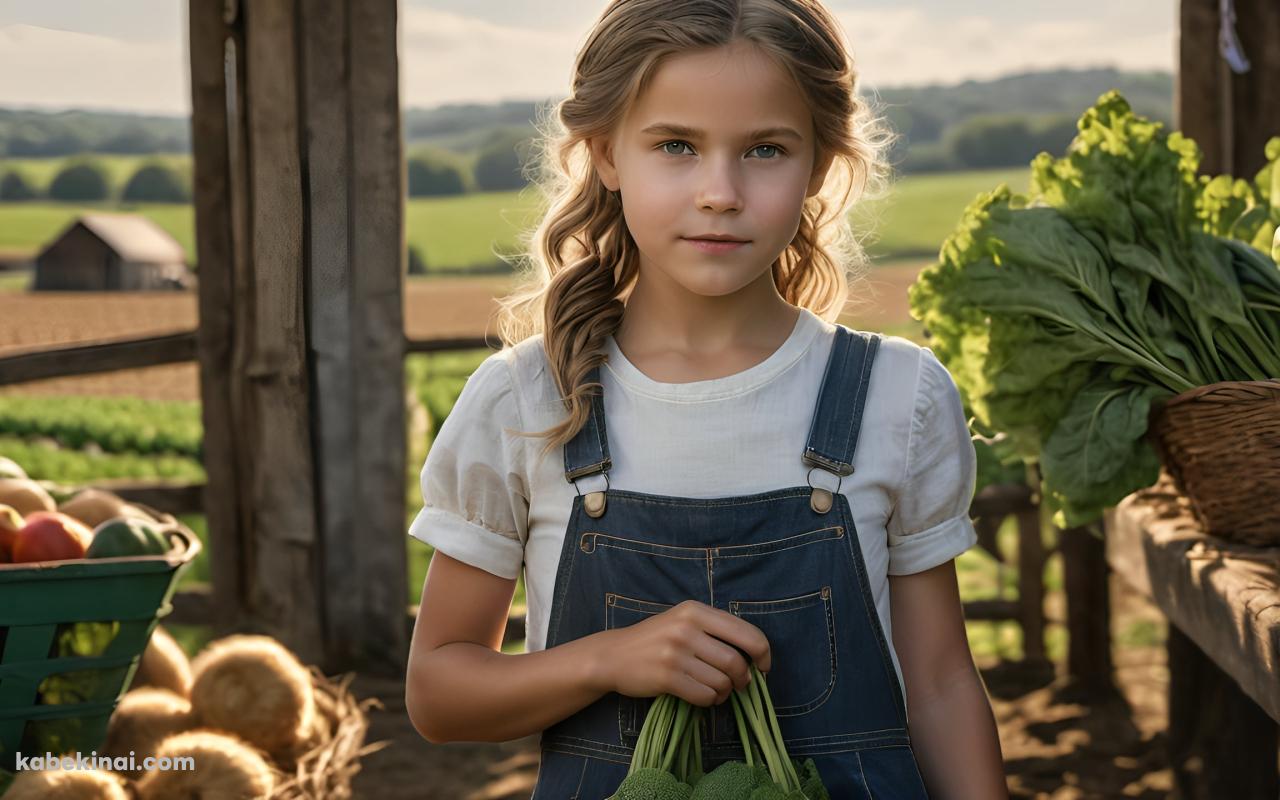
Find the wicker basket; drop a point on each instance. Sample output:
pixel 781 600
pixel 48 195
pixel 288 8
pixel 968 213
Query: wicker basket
pixel 1221 444
pixel 46 601
pixel 325 771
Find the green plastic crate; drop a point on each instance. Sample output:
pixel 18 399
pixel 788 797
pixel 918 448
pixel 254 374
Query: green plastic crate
pixel 75 606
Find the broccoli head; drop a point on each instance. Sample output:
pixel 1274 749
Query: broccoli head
pixel 732 780
pixel 810 780
pixel 651 783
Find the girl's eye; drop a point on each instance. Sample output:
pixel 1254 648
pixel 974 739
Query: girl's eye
pixel 773 147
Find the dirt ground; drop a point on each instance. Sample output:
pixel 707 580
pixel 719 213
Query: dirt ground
pixel 1057 741
pixel 436 307
pixel 35 320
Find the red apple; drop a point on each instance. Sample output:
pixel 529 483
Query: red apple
pixel 10 524
pixel 51 536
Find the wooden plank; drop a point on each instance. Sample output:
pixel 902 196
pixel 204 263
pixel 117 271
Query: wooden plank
pixel 1224 597
pixel 1198 103
pixel 1000 500
pixel 171 497
pixel 377 267
pixel 219 175
pixel 281 591
pixel 89 359
pixel 331 328
pixel 1255 112
pixel 993 610
pixel 436 345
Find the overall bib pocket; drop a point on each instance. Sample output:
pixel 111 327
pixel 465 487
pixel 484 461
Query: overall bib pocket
pixel 802 641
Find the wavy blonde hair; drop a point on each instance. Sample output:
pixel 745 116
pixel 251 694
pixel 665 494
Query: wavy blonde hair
pixel 580 261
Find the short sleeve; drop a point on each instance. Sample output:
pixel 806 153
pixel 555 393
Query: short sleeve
pixel 474 485
pixel 930 522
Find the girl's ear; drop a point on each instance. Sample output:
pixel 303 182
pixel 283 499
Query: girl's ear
pixel 601 148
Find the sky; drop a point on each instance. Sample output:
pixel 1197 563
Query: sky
pixel 131 55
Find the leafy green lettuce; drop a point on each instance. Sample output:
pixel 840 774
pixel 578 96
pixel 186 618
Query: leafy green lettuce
pixel 1067 315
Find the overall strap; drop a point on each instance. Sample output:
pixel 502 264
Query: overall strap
pixel 588 452
pixel 837 416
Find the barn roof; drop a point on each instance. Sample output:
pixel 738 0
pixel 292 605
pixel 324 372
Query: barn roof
pixel 134 237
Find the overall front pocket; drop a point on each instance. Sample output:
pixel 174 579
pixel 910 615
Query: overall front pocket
pixel 620 612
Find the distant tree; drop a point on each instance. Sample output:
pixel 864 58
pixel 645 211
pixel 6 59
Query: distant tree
pixel 925 157
pixel 14 186
pixel 501 162
pixel 29 138
pixel 156 182
pixel 86 180
pixel 417 265
pixel 430 177
pixel 130 140
pixel 1054 132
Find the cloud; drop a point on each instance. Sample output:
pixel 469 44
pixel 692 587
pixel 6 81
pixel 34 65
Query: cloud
pixel 907 46
pixel 447 57
pixel 47 67
pixel 455 56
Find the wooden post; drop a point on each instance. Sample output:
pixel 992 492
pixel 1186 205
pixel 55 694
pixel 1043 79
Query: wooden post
pixel 1085 573
pixel 1220 742
pixel 1031 560
pixel 300 235
pixel 1230 114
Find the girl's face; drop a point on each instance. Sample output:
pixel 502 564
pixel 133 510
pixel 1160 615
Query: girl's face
pixel 721 142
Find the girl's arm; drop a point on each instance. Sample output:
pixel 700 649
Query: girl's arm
pixel 953 731
pixel 460 686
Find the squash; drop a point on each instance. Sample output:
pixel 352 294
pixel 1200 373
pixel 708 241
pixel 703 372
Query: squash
pixel 26 496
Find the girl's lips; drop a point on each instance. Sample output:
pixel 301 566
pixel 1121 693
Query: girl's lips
pixel 713 246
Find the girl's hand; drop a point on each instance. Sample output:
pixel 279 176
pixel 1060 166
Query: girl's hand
pixel 688 651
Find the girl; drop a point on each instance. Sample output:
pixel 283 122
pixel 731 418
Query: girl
pixel 735 475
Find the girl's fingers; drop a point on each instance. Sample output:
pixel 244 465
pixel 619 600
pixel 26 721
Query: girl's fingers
pixel 724 658
pixel 711 678
pixel 738 632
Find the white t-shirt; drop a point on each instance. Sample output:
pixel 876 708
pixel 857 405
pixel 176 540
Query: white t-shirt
pixel 488 504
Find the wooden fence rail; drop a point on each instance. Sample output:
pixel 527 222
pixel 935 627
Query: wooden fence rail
pixel 152 351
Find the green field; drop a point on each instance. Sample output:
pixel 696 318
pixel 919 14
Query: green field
pixel 470 230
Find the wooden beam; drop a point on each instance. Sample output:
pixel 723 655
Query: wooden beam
pixel 1198 103
pixel 282 596
pixel 355 325
pixel 1230 114
pixel 1255 112
pixel 378 273
pixel 217 102
pixel 88 359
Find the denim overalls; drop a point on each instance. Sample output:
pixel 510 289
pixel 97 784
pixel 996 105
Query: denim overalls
pixel 788 561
